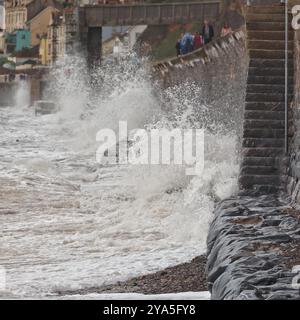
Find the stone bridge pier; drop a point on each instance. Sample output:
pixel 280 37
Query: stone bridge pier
pixel 89 39
pixel 94 45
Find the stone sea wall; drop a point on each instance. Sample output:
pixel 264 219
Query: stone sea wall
pixel 293 186
pixel 254 250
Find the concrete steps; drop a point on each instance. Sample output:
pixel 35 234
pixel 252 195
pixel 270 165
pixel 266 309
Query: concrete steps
pixel 249 180
pixel 258 71
pixel 267 17
pixel 262 152
pixel 267 26
pixel 266 97
pixel 264 106
pixel 269 44
pixel 264 133
pixel 271 63
pixel 263 143
pixel 264 117
pixel 262 189
pixel 266 9
pixel 263 124
pixel 277 80
pixel 269 54
pixel 268 88
pixel 259 162
pixel 270 35
pixel 258 189
pixel 260 170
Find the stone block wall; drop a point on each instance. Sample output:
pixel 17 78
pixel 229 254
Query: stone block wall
pixel 7 94
pixel 293 186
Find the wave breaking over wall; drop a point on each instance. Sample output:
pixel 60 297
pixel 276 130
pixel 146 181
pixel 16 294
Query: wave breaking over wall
pixel 73 223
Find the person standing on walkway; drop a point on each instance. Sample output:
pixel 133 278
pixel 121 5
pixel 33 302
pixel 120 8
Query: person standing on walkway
pixel 178 47
pixel 207 32
pixel 225 30
pixel 197 41
pixel 187 43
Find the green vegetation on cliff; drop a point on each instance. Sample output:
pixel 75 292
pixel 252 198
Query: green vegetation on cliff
pixel 163 38
pixel 166 48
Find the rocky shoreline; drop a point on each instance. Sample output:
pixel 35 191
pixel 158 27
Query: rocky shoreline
pixel 253 249
pixel 186 277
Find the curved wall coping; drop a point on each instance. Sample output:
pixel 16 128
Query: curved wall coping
pixel 203 55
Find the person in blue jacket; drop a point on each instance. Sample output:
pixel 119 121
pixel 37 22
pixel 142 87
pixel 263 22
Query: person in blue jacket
pixel 187 43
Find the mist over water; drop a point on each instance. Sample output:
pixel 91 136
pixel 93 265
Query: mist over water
pixel 69 222
pixel 22 94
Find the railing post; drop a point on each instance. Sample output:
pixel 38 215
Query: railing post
pixel 130 13
pixel 173 13
pixel 145 13
pixel 159 13
pixel 222 5
pixel 117 15
pixel 286 78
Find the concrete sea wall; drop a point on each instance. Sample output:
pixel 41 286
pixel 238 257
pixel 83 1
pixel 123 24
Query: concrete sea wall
pixel 219 70
pixel 7 93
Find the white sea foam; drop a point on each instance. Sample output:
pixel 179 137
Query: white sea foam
pixel 69 223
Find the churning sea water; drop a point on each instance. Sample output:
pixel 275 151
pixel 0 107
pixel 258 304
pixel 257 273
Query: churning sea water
pixel 68 222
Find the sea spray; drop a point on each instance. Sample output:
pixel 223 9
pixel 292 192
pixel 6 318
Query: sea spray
pixel 82 225
pixel 22 94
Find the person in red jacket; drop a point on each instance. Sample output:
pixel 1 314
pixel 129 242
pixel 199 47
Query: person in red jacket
pixel 197 41
pixel 226 30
